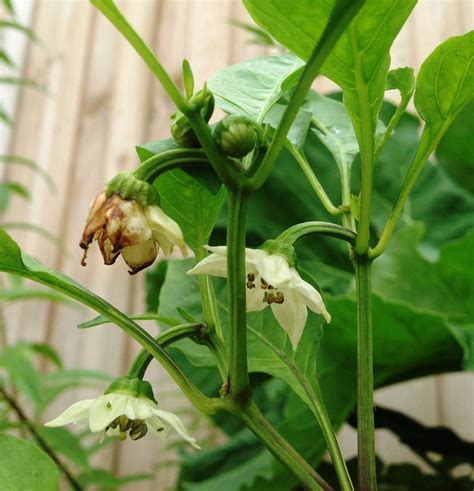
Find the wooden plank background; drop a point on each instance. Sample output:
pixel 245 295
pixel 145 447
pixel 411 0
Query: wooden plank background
pixel 102 103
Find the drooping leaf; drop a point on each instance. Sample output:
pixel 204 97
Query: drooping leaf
pixel 252 87
pixel 24 466
pixel 7 188
pixel 403 80
pixel 24 83
pixel 12 24
pixel 5 59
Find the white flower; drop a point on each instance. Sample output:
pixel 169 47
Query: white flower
pixel 124 226
pixel 117 413
pixel 271 281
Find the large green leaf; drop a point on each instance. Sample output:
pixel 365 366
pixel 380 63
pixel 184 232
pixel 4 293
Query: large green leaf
pixel 360 60
pixel 252 87
pixel 444 287
pixel 23 466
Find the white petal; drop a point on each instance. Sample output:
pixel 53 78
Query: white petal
pixel 176 423
pixel 291 315
pixel 140 408
pixel 157 428
pixel 255 296
pixel 105 409
pixel 274 269
pixel 78 411
pixel 255 256
pixel 308 295
pixel 165 230
pixel 213 265
pixel 219 250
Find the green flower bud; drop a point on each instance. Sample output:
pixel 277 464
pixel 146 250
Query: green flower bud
pixel 181 131
pixel 127 186
pixel 236 135
pixel 203 101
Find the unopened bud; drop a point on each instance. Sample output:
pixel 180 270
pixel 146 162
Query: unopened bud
pixel 236 135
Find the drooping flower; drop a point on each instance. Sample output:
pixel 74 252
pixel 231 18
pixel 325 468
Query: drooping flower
pixel 132 227
pixel 271 281
pixel 127 406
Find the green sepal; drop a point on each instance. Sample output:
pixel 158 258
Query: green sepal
pixel 236 135
pixel 132 386
pixel 284 249
pixel 127 186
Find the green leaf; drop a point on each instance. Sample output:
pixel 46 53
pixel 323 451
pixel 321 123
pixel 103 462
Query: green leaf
pixel 5 59
pixel 444 287
pixel 24 82
pixel 22 294
pixel 6 188
pixel 11 24
pixel 444 84
pixel 259 36
pixel 455 151
pixel 23 466
pixel 252 87
pixel 30 164
pixel 31 227
pixel 360 60
pixel 16 360
pixel 47 352
pixel 5 117
pixel 106 480
pixel 100 320
pixel 63 441
pixel 403 80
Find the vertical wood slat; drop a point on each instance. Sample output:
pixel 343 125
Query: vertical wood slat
pixel 103 103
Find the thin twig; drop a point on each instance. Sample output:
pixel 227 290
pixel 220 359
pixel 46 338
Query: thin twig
pixel 39 439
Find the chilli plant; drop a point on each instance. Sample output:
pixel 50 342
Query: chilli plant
pixel 266 256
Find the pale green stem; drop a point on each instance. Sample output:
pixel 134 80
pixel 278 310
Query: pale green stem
pixel 282 450
pixel 296 232
pixel 313 180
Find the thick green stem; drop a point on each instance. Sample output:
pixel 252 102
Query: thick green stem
pixel 236 226
pixel 365 385
pixel 296 232
pixel 313 181
pixel 281 449
pixel 170 336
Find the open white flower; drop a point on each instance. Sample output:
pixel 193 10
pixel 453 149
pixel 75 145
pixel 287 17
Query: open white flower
pixel 271 281
pixel 124 226
pixel 126 407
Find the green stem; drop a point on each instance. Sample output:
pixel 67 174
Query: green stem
pixel 296 232
pixel 425 148
pixel 200 127
pixel 341 16
pixel 236 226
pixel 313 180
pixel 144 358
pixel 366 145
pixel 162 162
pixel 365 385
pixel 281 449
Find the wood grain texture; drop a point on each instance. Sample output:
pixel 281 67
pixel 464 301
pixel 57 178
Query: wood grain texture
pixel 102 103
